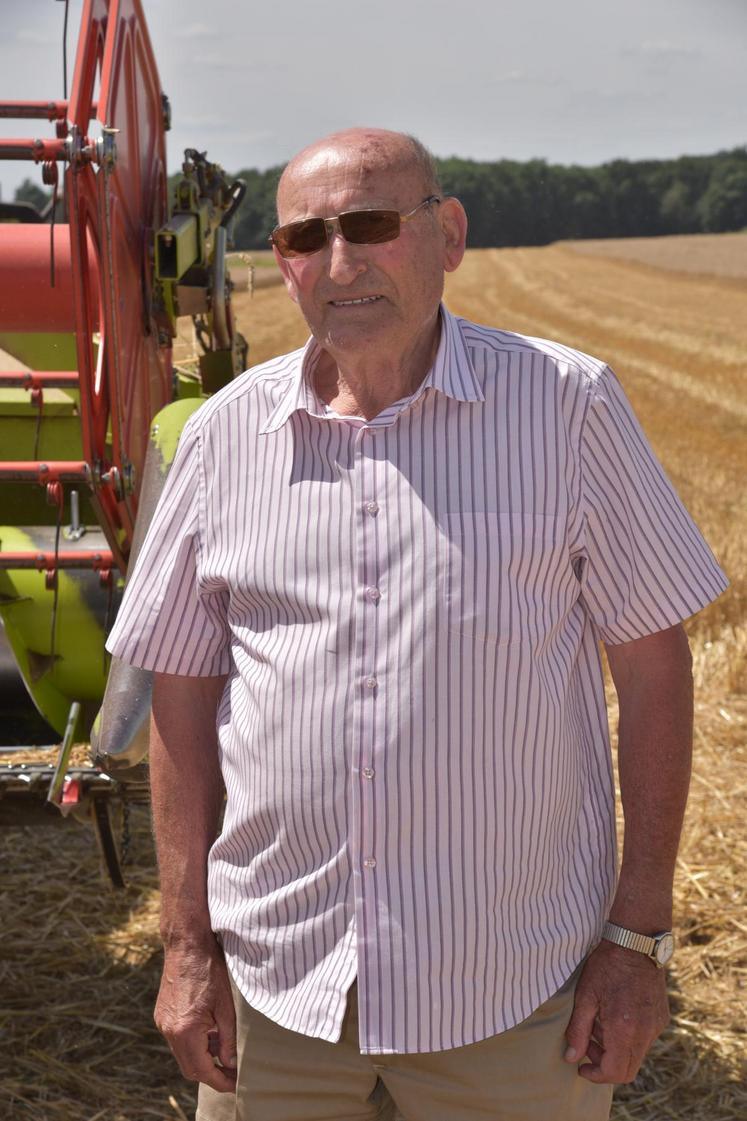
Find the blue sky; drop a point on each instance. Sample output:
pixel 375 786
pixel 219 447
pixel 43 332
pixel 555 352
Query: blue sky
pixel 571 81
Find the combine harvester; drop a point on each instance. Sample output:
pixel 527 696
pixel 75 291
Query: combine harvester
pixel 91 405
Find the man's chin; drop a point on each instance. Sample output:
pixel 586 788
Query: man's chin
pixel 353 336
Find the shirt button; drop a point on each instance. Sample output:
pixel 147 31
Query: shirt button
pixel 371 683
pixel 368 772
pixel 372 508
pixel 369 862
pixel 373 594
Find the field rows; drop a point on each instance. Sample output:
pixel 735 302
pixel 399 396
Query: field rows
pixel 678 340
pixel 80 968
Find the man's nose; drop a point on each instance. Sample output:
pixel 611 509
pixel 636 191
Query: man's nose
pixel 346 260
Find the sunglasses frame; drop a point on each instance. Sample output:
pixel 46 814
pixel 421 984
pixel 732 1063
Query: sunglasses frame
pixel 333 225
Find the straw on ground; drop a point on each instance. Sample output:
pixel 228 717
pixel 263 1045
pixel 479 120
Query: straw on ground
pixel 80 964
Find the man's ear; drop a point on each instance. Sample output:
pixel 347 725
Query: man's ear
pixel 287 274
pixel 453 219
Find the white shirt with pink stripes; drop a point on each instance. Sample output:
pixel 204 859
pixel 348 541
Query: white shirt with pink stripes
pixel 413 734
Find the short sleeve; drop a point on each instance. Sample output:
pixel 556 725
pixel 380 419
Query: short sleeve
pixel 167 621
pixel 645 565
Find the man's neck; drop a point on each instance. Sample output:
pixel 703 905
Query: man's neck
pixel 366 383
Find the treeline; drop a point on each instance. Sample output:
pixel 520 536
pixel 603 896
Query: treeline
pixel 533 203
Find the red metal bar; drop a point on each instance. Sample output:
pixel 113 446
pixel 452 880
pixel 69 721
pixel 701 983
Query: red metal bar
pixel 29 148
pixel 33 471
pixel 71 792
pixel 139 367
pixel 46 562
pixel 94 27
pixel 34 110
pixel 39 379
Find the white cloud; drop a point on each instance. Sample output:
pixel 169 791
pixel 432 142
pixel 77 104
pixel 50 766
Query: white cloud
pixel 219 60
pixel 529 80
pixel 512 76
pixel 186 135
pixel 664 47
pixel 37 38
pixel 195 31
pixel 201 120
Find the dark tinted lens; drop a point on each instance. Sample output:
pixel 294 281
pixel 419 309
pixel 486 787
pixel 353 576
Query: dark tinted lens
pixel 370 227
pixel 299 238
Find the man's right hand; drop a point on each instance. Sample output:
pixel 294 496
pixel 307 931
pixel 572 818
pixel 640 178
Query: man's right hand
pixel 194 1003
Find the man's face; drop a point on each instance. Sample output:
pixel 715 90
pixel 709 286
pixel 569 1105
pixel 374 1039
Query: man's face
pixel 401 281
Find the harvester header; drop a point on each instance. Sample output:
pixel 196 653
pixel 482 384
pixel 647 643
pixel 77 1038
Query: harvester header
pixel 90 294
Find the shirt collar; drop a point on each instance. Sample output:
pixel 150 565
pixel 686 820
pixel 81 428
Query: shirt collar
pixel 452 373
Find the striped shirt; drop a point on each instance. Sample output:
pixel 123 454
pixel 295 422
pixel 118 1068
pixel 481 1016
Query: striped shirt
pixel 413 735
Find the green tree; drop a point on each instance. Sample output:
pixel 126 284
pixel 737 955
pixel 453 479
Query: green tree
pixel 32 193
pixel 533 203
pixel 677 210
pixel 256 216
pixel 723 206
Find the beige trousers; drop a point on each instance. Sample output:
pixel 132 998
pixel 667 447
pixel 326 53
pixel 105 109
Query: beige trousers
pixel 518 1075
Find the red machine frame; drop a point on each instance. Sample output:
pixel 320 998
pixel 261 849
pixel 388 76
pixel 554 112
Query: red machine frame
pixel 125 375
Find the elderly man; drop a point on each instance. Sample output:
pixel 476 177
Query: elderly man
pixel 373 596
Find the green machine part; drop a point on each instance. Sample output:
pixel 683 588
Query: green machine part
pixel 25 434
pixel 56 624
pixel 56 629
pixel 54 633
pixel 46 350
pixel 119 736
pixel 57 634
pixel 167 428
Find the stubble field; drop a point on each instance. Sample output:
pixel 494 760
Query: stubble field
pixel 80 964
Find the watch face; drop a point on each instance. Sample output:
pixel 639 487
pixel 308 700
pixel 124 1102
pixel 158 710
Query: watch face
pixel 664 949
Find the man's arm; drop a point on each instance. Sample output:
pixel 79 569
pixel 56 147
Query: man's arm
pixel 187 795
pixel 621 1001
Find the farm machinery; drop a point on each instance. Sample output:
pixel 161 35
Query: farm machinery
pixel 92 403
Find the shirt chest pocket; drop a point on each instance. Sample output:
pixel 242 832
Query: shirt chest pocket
pixel 502 575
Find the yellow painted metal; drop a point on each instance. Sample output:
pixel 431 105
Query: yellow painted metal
pixel 72 664
pixel 42 350
pixel 168 424
pixel 177 246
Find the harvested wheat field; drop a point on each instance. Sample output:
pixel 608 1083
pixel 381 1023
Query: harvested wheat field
pixel 720 255
pixel 80 963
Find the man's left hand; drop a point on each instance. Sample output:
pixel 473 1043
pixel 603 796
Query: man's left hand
pixel 620 1008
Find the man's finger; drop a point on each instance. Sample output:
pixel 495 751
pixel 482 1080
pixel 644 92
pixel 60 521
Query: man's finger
pixel 220 1079
pixel 223 1053
pixel 580 1028
pixel 191 1050
pixel 613 1065
pixel 225 1035
pixel 594 1052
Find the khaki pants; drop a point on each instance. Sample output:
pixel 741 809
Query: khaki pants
pixel 518 1075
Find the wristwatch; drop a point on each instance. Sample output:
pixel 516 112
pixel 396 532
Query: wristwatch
pixel 658 947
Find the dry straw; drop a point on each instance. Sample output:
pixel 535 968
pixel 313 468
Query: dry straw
pixel 80 963
pixel 80 966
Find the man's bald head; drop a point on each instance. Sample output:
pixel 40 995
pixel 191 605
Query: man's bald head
pixel 373 150
pixel 381 296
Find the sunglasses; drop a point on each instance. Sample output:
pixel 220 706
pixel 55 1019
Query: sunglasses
pixel 361 227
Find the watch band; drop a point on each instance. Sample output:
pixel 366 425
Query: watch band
pixel 629 939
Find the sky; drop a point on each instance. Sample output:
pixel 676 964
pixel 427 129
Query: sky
pixel 569 81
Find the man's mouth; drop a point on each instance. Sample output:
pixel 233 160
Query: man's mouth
pixel 355 303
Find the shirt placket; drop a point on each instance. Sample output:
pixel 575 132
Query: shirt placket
pixel 370 700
